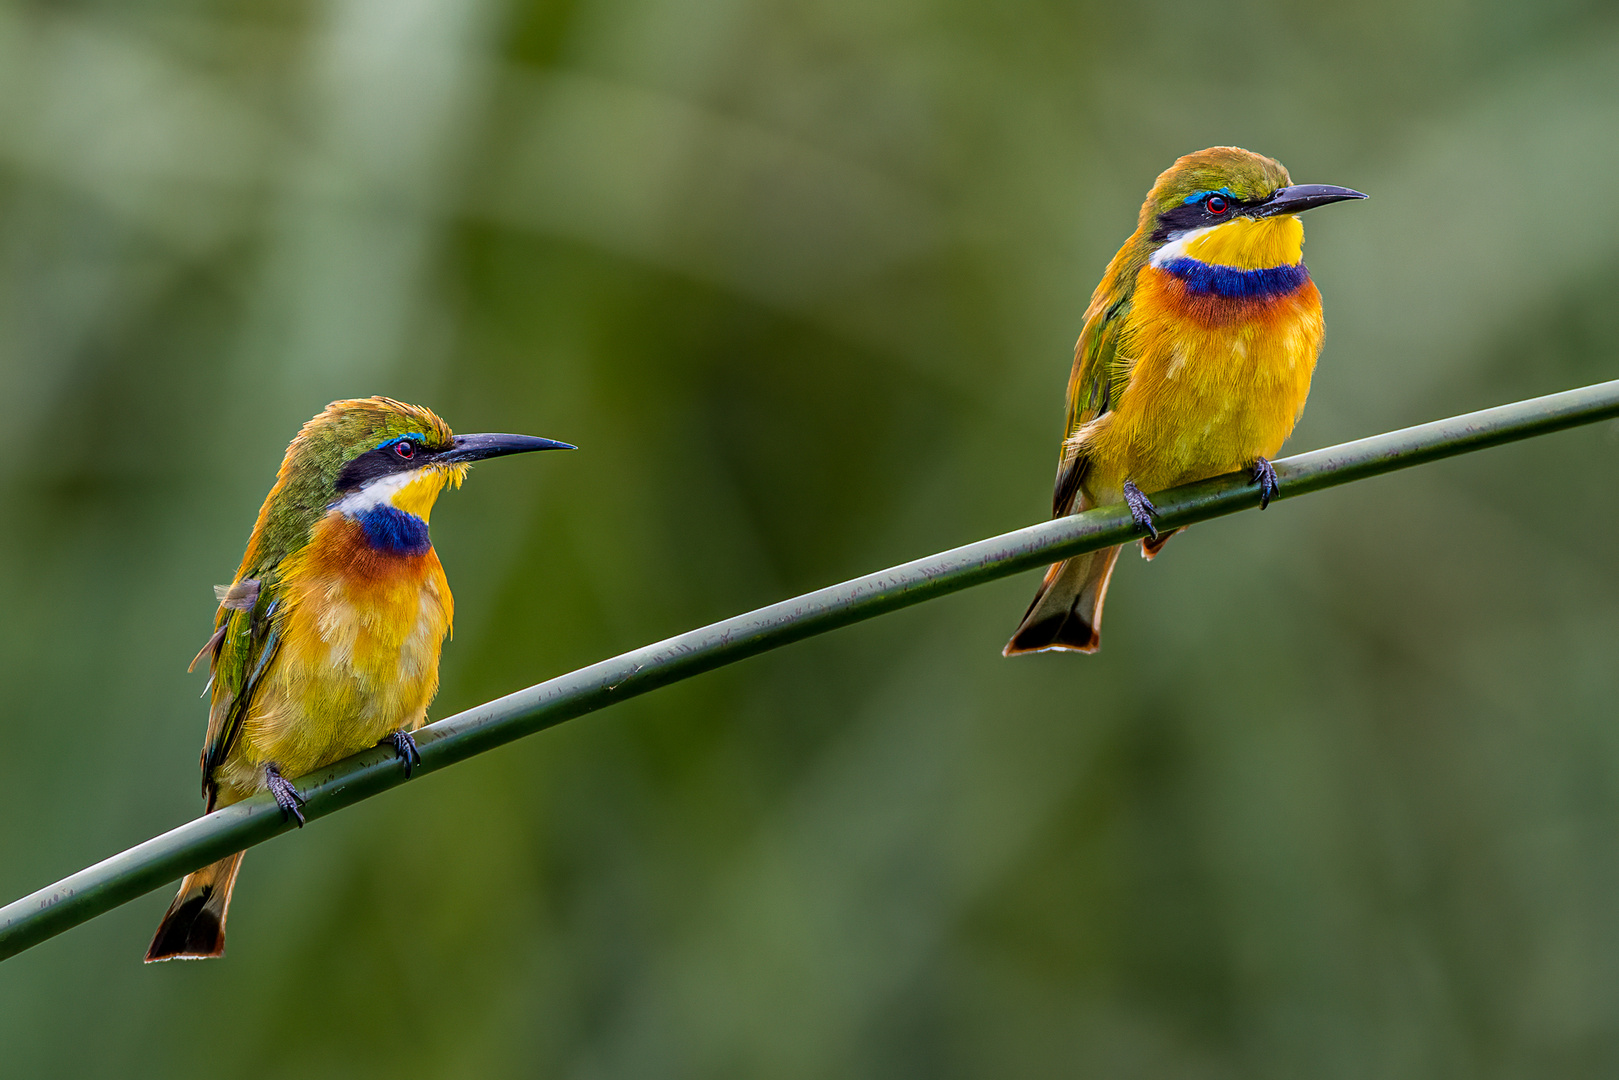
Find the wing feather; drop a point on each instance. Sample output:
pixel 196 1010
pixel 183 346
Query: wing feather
pixel 248 637
pixel 1098 376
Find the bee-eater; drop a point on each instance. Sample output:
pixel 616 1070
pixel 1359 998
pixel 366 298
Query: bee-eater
pixel 1195 360
pixel 328 640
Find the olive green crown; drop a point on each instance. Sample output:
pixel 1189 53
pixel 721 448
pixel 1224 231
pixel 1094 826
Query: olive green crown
pixel 1242 174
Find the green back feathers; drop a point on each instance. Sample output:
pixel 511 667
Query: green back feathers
pixel 307 481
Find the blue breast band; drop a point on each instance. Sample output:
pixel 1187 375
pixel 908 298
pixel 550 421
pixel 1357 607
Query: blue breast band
pixel 1205 279
pixel 390 529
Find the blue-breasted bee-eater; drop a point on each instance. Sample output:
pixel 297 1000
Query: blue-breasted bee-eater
pixel 1194 361
pixel 328 640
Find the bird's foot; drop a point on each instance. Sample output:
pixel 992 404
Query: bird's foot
pixel 1141 508
pixel 286 796
pixel 404 749
pixel 1265 476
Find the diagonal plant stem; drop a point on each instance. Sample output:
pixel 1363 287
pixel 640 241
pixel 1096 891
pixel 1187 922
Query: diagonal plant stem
pixel 140 869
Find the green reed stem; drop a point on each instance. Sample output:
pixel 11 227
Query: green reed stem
pixel 147 866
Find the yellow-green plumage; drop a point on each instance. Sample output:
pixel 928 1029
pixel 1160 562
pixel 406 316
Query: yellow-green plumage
pixel 328 640
pixel 1195 360
pixel 338 659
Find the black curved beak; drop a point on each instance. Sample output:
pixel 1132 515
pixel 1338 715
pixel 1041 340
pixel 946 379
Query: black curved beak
pixel 465 448
pixel 1301 197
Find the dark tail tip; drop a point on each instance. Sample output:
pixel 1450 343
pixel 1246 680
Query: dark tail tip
pixel 1063 631
pixel 190 931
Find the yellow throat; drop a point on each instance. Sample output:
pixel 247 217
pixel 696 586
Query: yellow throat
pixel 413 493
pixel 1250 243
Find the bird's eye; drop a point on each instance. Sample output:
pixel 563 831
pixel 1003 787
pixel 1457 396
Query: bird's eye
pixel 1216 204
pixel 405 449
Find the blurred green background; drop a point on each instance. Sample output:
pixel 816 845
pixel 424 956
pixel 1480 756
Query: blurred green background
pixel 1339 797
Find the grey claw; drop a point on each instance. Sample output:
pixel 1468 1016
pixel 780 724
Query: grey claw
pixel 1141 508
pixel 404 748
pixel 1265 476
pixel 286 796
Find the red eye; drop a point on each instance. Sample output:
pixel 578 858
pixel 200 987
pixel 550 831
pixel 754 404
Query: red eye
pixel 1216 204
pixel 405 449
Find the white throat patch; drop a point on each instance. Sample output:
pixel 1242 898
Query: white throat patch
pixel 375 493
pixel 1176 248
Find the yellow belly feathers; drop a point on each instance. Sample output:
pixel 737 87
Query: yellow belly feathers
pixel 358 659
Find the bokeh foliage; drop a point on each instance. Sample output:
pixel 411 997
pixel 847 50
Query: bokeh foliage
pixel 802 277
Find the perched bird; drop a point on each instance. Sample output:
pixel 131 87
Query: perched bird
pixel 1194 361
pixel 328 640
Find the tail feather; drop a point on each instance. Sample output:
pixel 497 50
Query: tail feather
pixel 1067 611
pixel 194 926
pixel 1152 545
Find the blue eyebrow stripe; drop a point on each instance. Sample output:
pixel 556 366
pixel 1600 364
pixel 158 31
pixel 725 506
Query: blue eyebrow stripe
pixel 1206 279
pixel 401 438
pixel 1201 195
